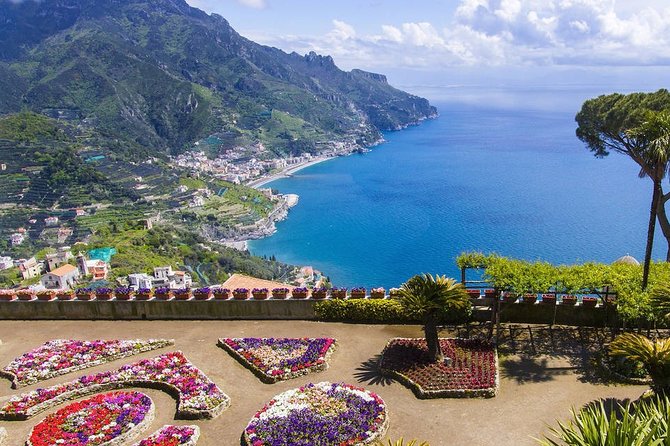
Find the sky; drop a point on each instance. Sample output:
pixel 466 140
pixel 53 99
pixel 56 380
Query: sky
pixel 621 45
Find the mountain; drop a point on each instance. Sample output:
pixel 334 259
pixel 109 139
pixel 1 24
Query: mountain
pixel 159 75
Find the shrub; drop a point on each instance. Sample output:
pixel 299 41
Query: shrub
pixel 633 424
pixel 375 311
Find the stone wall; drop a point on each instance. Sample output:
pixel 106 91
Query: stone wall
pixel 157 310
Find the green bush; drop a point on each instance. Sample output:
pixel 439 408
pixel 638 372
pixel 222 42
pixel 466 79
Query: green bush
pixel 376 311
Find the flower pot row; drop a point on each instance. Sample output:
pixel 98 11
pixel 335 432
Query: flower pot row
pixel 206 293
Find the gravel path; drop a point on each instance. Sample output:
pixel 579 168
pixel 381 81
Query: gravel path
pixel 535 390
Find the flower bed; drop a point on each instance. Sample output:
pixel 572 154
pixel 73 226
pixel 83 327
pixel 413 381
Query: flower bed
pixel 278 359
pixel 107 419
pixel 198 396
pixel 170 435
pixel 473 371
pixel 320 414
pixel 62 356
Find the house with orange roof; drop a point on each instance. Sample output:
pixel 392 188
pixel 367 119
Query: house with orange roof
pixel 62 278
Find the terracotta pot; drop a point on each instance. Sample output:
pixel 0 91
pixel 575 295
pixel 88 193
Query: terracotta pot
pixel 240 296
pixel 124 296
pixel 568 300
pixel 202 296
pixel 529 298
pixel 220 295
pixel 261 296
pixel 143 296
pixel 46 297
pixel 280 295
pixel 299 294
pixel 589 302
pixel 320 294
pixel 65 296
pixel 338 294
pixel 548 299
pixel 357 295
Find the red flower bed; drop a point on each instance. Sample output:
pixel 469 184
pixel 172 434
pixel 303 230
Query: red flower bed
pixel 472 372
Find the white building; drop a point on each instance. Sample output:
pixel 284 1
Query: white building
pixel 30 268
pixel 62 278
pixel 16 239
pixel 6 263
pixel 51 221
pixel 59 258
pixel 165 277
pixel 138 281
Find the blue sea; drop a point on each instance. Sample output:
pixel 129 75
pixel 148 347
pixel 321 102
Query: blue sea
pixel 511 179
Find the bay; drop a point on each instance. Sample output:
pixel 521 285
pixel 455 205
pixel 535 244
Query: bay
pixel 515 181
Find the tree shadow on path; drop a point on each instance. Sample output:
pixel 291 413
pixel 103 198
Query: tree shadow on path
pixel 527 369
pixel 369 372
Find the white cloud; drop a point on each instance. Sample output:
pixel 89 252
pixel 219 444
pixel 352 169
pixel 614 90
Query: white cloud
pixel 256 4
pixel 505 32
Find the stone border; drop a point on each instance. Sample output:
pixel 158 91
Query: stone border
pixel 182 412
pixel 420 393
pixel 122 439
pixel 154 344
pixel 383 428
pixel 270 379
pixel 621 378
pixel 191 442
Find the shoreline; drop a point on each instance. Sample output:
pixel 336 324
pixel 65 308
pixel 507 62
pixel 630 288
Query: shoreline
pixel 287 172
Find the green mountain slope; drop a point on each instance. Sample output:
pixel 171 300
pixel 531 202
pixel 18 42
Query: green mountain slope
pixel 159 75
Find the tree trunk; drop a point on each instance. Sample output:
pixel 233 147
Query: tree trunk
pixel 432 339
pixel 663 221
pixel 655 198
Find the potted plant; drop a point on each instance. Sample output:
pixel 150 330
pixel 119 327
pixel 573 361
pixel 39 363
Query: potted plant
pixel 509 297
pixel 394 293
pixel 357 293
pixel 204 293
pixel 25 294
pixel 163 293
pixel 7 295
pixel 299 293
pixel 84 293
pixel 280 293
pixel 221 293
pixel 183 294
pixel 240 294
pixel 143 294
pixel 46 295
pixel 490 294
pixel 338 293
pixel 319 293
pixel 65 295
pixel 473 294
pixel 548 299
pixel 123 293
pixel 377 293
pixel 589 301
pixel 569 299
pixel 260 293
pixel 104 294
pixel 529 298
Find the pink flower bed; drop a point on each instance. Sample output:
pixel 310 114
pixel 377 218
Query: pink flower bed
pixel 471 372
pixel 198 396
pixel 62 356
pixel 106 419
pixel 172 436
pixel 277 359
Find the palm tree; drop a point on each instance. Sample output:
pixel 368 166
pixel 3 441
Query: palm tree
pixel 654 135
pixel 427 297
pixel 654 355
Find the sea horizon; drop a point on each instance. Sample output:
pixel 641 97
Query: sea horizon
pixel 449 185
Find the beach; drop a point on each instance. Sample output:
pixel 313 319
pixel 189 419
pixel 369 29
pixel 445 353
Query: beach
pixel 286 172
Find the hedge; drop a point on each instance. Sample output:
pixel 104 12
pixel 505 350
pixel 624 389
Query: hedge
pixel 386 311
